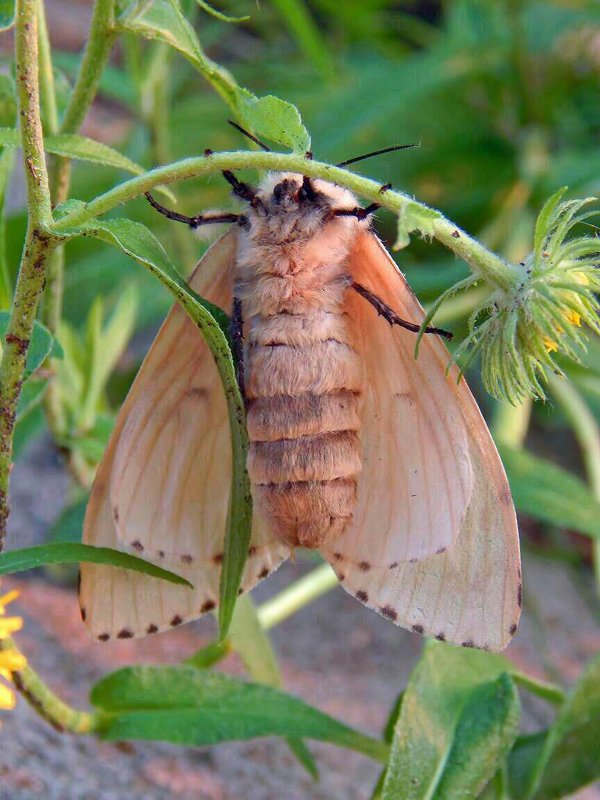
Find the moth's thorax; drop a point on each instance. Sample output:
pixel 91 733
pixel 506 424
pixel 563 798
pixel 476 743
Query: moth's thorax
pixel 304 377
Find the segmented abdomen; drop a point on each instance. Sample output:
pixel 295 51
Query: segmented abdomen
pixel 303 384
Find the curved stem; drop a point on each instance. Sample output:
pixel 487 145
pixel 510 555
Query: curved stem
pixel 303 591
pixel 491 266
pixel 45 702
pixel 38 242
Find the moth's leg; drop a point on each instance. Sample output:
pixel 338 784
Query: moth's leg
pixel 237 341
pixel 243 190
pixel 358 212
pixel 193 222
pixel 390 315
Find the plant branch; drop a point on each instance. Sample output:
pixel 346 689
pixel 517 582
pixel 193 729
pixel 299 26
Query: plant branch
pixel 38 242
pixel 464 246
pixel 61 716
pixel 47 90
pixel 299 594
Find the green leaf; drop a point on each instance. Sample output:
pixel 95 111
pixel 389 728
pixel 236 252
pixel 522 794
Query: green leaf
pixel 74 553
pixel 6 166
pixel 558 762
pixel 274 119
pixel 7 14
pixel 82 148
pixel 165 21
pixel 550 493
pixel 253 644
pixel 32 394
pixel 184 705
pixel 414 217
pixel 219 14
pixel 41 346
pixel 458 719
pixel 137 241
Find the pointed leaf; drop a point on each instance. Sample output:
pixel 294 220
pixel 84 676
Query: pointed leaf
pixel 74 553
pixel 184 705
pixel 274 119
pixel 550 493
pixel 458 719
pixel 41 346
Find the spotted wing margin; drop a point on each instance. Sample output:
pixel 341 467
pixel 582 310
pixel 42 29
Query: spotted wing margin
pixel 162 488
pixel 469 591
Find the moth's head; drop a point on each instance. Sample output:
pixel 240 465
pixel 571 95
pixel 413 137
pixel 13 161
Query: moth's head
pixel 285 193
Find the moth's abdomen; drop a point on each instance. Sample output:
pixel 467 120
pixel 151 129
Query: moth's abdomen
pixel 304 381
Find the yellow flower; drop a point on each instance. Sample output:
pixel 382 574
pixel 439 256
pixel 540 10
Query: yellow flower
pixel 10 660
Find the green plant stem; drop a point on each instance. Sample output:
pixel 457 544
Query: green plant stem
pixel 100 40
pixel 45 702
pixel 489 265
pixel 319 581
pixel 587 433
pixel 47 90
pixel 511 423
pixel 38 242
pixel 547 691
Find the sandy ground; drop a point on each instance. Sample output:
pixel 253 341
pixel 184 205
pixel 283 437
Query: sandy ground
pixel 335 654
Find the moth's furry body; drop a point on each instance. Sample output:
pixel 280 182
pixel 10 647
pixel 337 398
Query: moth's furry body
pixel 303 376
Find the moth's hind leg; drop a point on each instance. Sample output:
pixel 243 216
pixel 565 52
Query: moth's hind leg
pixel 193 222
pixel 390 315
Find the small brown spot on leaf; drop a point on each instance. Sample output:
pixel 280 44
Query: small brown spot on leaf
pixel 177 620
pixel 125 633
pixel 389 612
pixel 417 628
pixel 207 606
pixel 152 628
pixel 137 545
pixel 362 596
pixel 364 566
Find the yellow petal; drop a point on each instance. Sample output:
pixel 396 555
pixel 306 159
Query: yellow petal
pixel 573 317
pixel 12 660
pixel 9 597
pixel 9 625
pixel 550 345
pixel 7 697
pixel 581 278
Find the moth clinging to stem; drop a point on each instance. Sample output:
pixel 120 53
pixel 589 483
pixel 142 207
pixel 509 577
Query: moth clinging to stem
pixel 380 461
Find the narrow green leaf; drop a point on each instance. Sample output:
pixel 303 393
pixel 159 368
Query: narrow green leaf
pixel 253 644
pixel 274 119
pixel 7 158
pixel 184 705
pixel 137 241
pixel 7 14
pixel 558 762
pixel 414 217
pixel 544 219
pixel 41 346
pixel 74 553
pixel 307 34
pixel 550 493
pixel 81 148
pixel 458 719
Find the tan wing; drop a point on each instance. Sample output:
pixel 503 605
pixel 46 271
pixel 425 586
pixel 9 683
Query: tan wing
pixel 431 472
pixel 162 489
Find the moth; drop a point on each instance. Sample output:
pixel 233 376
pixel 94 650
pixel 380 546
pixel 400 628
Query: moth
pixel 380 461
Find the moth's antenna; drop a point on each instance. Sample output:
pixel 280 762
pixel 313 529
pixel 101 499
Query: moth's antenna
pixel 376 153
pixel 249 135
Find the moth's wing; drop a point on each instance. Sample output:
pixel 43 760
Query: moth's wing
pixel 431 472
pixel 162 489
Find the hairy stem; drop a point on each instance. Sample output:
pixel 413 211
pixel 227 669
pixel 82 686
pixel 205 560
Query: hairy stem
pixel 38 241
pixel 491 266
pixel 45 702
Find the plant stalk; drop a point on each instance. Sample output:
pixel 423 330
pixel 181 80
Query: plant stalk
pixel 38 241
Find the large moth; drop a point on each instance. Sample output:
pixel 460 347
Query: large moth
pixel 380 461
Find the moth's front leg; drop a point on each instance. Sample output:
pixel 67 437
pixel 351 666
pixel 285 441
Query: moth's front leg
pixel 237 343
pixel 390 315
